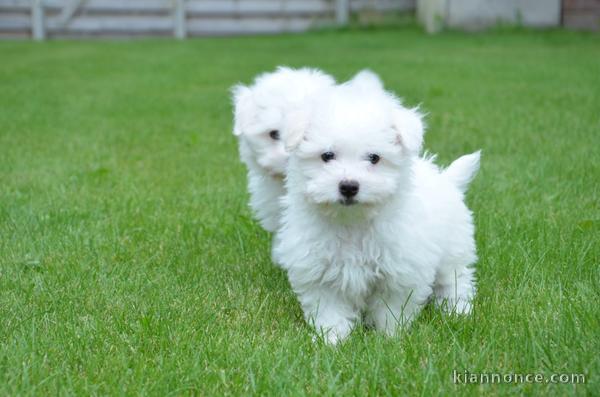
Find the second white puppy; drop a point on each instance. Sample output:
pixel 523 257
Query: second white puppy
pixel 259 113
pixel 370 228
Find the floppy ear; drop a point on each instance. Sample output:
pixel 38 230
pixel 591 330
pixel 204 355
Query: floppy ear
pixel 243 104
pixel 294 128
pixel 366 80
pixel 410 128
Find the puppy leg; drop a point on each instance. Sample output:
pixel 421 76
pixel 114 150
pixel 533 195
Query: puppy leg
pixel 454 290
pixel 274 243
pixel 393 309
pixel 331 315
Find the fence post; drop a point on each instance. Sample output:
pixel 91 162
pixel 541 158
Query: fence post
pixel 38 30
pixel 180 30
pixel 342 11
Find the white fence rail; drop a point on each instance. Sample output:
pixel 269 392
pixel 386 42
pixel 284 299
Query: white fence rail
pixel 180 18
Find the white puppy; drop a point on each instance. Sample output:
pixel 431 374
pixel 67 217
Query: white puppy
pixel 259 114
pixel 369 227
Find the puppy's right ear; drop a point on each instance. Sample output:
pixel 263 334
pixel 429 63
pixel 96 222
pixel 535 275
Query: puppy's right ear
pixel 294 129
pixel 243 111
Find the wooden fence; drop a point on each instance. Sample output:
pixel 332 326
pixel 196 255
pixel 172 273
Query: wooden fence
pixel 581 14
pixel 40 19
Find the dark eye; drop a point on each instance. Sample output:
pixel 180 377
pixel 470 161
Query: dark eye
pixel 374 158
pixel 274 135
pixel 327 156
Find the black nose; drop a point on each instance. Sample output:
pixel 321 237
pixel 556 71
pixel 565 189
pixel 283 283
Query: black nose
pixel 348 188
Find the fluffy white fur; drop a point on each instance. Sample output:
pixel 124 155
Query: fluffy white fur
pixel 407 235
pixel 260 109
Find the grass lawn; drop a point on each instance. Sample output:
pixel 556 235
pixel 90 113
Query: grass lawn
pixel 130 263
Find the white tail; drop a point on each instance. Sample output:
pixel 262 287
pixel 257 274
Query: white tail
pixel 462 170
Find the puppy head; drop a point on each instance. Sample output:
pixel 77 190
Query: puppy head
pixel 260 110
pixel 354 146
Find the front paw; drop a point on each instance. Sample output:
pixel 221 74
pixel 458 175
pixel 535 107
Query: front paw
pixel 461 306
pixel 332 335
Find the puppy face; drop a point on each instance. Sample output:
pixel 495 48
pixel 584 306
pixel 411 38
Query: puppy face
pixel 353 146
pixel 258 121
pixel 261 108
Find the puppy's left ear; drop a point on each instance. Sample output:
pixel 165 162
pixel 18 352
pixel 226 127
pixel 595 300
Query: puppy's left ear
pixel 366 80
pixel 243 107
pixel 410 128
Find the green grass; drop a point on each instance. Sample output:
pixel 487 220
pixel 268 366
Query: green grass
pixel 130 264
